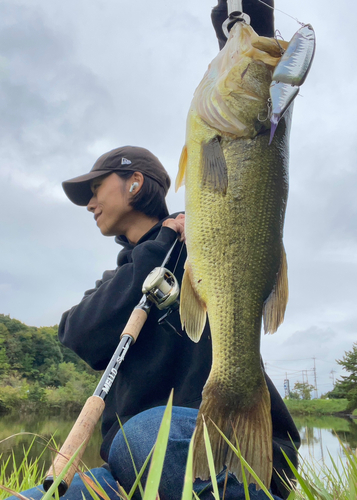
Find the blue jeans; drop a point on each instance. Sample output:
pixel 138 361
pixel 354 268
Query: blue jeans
pixel 141 432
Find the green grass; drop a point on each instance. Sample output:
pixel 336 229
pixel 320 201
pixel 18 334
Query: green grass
pixel 23 476
pixel 317 481
pixel 316 406
pixel 314 481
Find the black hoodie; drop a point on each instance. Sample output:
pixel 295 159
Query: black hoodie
pixel 161 359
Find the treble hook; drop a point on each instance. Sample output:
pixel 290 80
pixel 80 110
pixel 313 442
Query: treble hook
pixel 268 112
pixel 276 34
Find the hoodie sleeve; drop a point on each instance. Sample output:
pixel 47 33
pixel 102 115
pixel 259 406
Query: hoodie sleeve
pixel 92 328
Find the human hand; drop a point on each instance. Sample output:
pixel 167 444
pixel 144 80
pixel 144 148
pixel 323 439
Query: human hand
pixel 177 224
pixel 261 18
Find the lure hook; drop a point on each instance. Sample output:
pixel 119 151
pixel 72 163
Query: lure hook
pixel 268 112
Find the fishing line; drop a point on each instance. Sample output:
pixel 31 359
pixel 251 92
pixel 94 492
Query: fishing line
pixel 274 8
pixel 178 258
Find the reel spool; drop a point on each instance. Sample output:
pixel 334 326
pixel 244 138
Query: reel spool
pixel 161 287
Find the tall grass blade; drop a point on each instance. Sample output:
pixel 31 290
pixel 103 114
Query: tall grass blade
pixel 157 462
pixel 138 483
pixel 335 468
pixel 350 458
pixel 188 480
pixel 12 492
pixel 242 464
pixel 94 488
pixel 304 485
pixel 246 465
pixel 23 477
pixel 138 477
pixel 53 489
pixel 210 461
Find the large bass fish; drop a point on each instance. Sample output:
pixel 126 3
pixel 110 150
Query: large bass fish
pixel 236 271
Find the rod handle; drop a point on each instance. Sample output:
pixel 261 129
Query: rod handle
pixel 135 323
pixel 80 433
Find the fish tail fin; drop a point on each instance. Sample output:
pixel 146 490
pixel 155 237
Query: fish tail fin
pixel 192 310
pixel 251 428
pixel 275 305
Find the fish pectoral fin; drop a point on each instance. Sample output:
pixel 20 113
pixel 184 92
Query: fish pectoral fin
pixel 180 179
pixel 192 310
pixel 214 167
pixel 275 305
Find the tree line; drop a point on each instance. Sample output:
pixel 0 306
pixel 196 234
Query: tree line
pixel 346 387
pixel 36 370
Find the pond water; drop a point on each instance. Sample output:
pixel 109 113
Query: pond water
pixel 13 437
pixel 319 436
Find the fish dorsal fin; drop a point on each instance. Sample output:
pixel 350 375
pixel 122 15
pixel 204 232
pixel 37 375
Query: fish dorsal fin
pixel 275 305
pixel 214 167
pixel 180 179
pixel 192 309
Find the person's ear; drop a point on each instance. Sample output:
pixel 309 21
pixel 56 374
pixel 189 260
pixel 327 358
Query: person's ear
pixel 135 182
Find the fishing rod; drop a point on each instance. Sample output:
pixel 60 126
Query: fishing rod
pixel 160 288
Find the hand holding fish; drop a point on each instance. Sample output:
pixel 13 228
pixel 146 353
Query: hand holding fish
pixel 177 224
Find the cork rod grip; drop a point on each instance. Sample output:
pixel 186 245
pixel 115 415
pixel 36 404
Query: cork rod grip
pixel 80 433
pixel 135 323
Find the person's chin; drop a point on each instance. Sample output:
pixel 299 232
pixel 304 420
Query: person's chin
pixel 106 232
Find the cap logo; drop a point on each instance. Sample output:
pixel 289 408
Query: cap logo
pixel 124 161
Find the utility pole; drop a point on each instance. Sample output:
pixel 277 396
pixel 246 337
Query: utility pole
pixel 286 386
pixel 333 377
pixel 315 380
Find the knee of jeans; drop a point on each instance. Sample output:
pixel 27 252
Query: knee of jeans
pixel 141 433
pixel 140 436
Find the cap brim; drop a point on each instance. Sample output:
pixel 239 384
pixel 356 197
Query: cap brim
pixel 78 189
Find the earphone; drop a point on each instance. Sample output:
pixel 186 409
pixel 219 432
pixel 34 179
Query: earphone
pixel 133 186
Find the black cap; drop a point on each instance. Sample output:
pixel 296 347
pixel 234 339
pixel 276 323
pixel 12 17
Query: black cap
pixel 125 159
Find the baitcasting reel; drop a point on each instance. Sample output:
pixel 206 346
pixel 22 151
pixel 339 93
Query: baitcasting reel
pixel 161 288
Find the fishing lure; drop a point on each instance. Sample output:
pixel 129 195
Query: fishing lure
pixel 290 73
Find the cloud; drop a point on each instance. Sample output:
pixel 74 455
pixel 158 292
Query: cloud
pixel 296 357
pixel 77 82
pixel 51 106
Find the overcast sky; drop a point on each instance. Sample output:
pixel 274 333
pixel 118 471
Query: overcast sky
pixel 80 78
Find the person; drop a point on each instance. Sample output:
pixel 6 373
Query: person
pixel 125 191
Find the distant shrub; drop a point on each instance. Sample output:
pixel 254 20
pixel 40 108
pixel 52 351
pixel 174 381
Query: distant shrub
pixel 10 398
pixel 317 406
